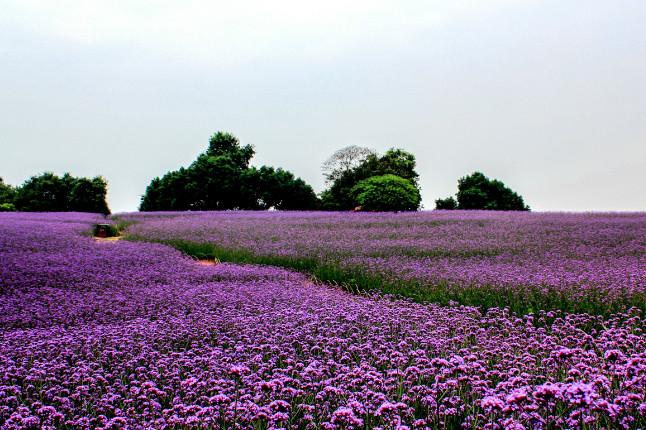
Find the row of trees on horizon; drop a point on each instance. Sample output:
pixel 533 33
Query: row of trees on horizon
pixel 222 178
pixel 52 193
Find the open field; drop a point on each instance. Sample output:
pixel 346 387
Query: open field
pixel 136 335
pixel 593 263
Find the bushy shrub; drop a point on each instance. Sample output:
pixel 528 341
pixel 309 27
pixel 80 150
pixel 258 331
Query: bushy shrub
pixel 476 191
pixel 447 203
pixel 386 193
pixel 7 207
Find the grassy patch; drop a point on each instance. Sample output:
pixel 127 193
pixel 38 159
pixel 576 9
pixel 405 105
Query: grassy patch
pixel 521 300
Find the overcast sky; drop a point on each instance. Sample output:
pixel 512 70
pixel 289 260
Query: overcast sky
pixel 548 96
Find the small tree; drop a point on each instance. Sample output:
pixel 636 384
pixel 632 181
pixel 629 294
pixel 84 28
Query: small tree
pixel 7 193
pixel 344 160
pixel 387 193
pixel 88 195
pixel 447 203
pixel 339 195
pixel 476 191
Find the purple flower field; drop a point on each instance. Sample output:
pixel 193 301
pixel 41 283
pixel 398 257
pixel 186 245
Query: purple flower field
pixel 582 262
pixel 136 335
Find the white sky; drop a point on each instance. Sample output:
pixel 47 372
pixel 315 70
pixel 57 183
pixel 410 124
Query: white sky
pixel 549 96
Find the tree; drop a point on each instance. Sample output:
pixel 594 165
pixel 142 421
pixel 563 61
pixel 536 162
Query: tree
pixel 7 193
pixel 50 193
pixel 476 191
pixel 227 145
pixel 447 203
pixel 221 179
pixel 88 195
pixel 387 193
pixel 44 193
pixel 277 188
pixel 339 195
pixel 344 160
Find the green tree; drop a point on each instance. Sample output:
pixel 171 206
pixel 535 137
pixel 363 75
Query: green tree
pixel 221 179
pixel 339 195
pixel 50 193
pixel 43 193
pixel 344 160
pixel 227 145
pixel 476 191
pixel 151 199
pixel 7 193
pixel 280 189
pixel 387 193
pixel 447 203
pixel 88 195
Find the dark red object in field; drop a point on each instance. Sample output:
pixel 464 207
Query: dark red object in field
pixel 102 230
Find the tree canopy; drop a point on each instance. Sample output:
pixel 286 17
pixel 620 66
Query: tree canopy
pixel 48 192
pixel 340 195
pixel 221 178
pixel 476 191
pixel 447 203
pixel 344 160
pixel 386 193
pixel 7 193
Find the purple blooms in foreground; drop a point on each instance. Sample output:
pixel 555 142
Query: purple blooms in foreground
pixel 134 335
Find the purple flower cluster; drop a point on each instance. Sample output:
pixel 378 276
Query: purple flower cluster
pixel 581 257
pixel 135 335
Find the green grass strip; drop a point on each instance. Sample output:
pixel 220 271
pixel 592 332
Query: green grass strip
pixel 520 300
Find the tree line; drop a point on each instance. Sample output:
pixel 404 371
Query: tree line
pixel 48 192
pixel 222 178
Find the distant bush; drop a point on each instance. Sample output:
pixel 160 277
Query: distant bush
pixel 7 207
pixel 476 191
pixel 386 193
pixel 447 203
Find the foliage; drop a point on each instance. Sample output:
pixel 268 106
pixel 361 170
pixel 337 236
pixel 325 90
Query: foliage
pixel 50 193
pixel 476 191
pixel 278 188
pixel 88 195
pixel 339 195
pixel 344 160
pixel 221 179
pixel 223 144
pixel 7 193
pixel 7 207
pixel 447 203
pixel 386 193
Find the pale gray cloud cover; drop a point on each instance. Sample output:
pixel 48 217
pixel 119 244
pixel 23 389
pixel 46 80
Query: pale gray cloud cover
pixel 549 96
